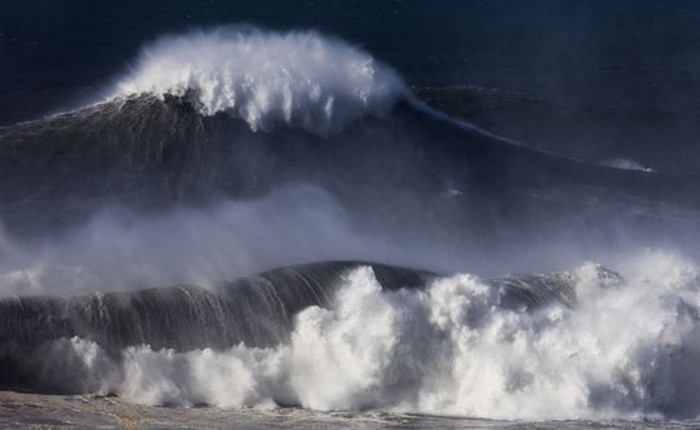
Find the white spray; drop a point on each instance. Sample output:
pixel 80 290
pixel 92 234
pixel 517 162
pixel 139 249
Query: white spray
pixel 300 79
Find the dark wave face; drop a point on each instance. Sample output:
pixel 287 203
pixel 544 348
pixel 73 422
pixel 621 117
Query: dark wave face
pixel 185 133
pixel 257 311
pixel 408 166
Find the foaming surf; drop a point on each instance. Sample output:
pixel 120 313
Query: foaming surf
pixel 625 348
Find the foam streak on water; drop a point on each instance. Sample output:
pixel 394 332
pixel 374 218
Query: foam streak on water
pixel 301 79
pixel 625 351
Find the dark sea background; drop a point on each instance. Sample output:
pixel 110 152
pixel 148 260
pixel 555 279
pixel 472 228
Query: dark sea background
pixel 639 54
pixel 604 83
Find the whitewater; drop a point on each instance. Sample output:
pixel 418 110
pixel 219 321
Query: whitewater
pixel 301 79
pixel 626 349
pixel 221 154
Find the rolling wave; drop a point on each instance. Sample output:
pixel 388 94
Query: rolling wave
pixel 300 79
pixel 149 154
pixel 257 312
pixel 346 336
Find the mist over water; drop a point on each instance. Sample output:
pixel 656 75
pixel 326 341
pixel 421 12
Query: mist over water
pixel 119 249
pixel 254 149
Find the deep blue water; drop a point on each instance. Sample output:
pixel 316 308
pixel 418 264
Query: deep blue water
pixel 623 53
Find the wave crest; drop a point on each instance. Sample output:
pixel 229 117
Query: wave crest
pixel 302 79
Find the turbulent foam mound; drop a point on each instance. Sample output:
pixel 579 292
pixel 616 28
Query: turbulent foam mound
pixel 301 79
pixel 577 344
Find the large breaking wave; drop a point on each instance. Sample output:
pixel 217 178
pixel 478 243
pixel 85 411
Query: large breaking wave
pixel 585 344
pixel 226 152
pixel 301 78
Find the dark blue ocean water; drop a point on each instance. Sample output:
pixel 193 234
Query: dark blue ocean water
pixel 640 53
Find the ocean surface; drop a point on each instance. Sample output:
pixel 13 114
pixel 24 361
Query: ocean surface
pixel 396 214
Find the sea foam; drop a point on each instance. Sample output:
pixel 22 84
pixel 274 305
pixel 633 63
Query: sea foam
pixel 302 79
pixel 625 351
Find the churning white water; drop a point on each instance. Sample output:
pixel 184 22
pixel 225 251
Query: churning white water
pixel 301 79
pixel 626 351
